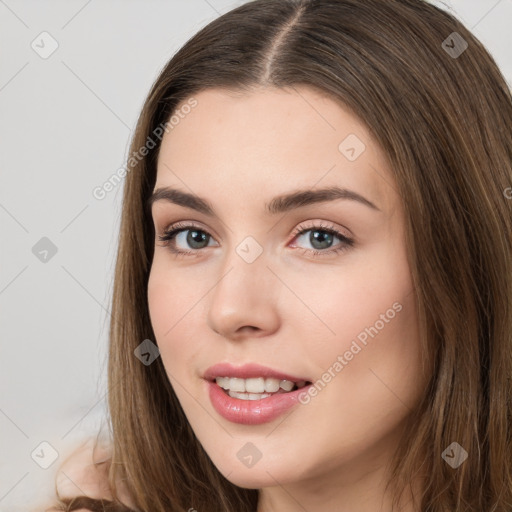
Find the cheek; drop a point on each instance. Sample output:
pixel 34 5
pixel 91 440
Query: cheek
pixel 171 295
pixel 375 354
pixel 373 346
pixel 171 309
pixel 160 302
pixel 365 298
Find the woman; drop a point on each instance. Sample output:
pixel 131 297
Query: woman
pixel 363 367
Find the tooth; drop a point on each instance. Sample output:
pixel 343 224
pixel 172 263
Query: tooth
pixel 271 385
pixel 223 382
pixel 248 396
pixel 237 384
pixel 258 396
pixel 255 385
pixel 287 385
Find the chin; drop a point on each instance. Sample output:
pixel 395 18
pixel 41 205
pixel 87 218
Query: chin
pixel 252 478
pixel 262 474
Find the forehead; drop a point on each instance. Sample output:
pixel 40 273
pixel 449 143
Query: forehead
pixel 270 141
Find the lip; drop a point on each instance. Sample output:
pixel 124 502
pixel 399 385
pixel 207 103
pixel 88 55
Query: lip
pixel 251 412
pixel 248 371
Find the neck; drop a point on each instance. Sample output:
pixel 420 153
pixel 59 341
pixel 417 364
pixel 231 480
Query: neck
pixel 365 495
pixel 358 484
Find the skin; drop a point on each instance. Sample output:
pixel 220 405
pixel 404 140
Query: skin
pixel 289 309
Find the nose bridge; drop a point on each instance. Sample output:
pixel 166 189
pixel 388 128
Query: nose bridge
pixel 242 295
pixel 242 276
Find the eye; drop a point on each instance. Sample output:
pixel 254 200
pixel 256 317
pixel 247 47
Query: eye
pixel 196 238
pixel 321 238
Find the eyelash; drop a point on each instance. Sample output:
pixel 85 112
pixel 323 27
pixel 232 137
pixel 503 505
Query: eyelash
pixel 170 233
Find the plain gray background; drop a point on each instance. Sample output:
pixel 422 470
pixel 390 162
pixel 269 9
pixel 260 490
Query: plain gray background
pixel 65 126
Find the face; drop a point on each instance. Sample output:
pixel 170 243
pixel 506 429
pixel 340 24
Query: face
pixel 317 288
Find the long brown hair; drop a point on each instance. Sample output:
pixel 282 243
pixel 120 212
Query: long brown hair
pixel 442 112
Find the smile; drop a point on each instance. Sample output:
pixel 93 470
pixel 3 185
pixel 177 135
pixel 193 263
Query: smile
pixel 257 388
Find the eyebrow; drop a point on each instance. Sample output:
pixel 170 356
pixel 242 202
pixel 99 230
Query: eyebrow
pixel 279 204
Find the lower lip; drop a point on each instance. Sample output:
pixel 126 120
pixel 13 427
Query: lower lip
pixel 252 412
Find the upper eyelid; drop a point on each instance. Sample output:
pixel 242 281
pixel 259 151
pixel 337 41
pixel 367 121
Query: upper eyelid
pixel 318 224
pixel 185 225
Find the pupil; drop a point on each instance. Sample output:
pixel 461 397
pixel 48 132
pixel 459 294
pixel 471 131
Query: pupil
pixel 323 238
pixel 314 237
pixel 191 238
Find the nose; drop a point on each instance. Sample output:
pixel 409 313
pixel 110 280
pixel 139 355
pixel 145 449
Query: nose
pixel 243 303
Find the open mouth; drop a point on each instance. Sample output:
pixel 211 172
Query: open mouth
pixel 257 388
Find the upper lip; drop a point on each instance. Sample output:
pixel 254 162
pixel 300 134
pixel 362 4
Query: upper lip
pixel 247 371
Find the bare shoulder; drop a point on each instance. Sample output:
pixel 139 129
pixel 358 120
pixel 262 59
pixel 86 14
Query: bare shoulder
pixel 85 473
